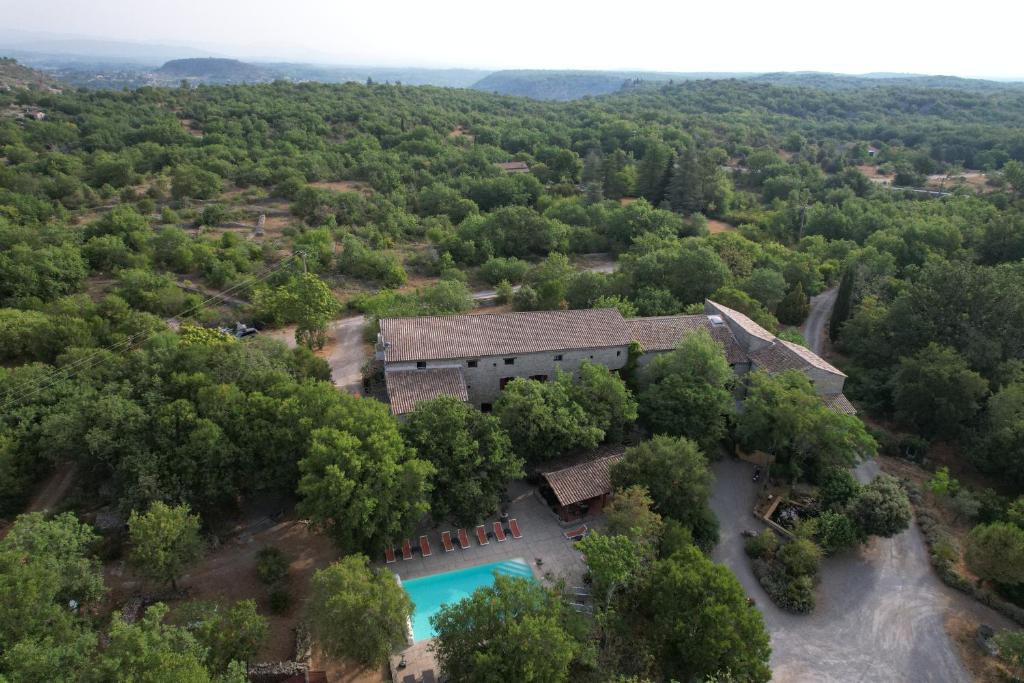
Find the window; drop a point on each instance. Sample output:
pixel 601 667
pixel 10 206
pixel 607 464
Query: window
pixel 618 353
pixel 591 358
pixel 420 364
pixel 539 378
pixel 510 361
pixel 485 407
pixel 504 380
pixel 558 356
pixel 471 364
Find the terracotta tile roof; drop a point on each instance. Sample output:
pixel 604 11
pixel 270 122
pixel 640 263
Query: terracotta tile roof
pixel 585 480
pixel 783 355
pixel 406 388
pixel 500 334
pixel 665 332
pixel 812 358
pixel 839 403
pixel 742 321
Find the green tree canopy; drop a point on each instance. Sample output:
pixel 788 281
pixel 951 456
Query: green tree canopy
pixel 676 474
pixel 686 392
pixel 471 454
pixel 936 392
pixel 543 421
pixel 996 552
pixel 165 541
pixel 359 480
pixel 358 612
pixel 513 630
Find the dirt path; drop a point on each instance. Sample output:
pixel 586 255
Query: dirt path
pixel 54 489
pixel 813 328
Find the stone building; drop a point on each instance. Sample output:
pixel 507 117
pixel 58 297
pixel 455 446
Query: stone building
pixel 473 357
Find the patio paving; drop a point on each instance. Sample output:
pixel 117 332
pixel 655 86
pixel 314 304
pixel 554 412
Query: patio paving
pixel 543 539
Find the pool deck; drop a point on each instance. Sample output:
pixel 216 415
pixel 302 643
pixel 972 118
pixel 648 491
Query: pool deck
pixel 543 539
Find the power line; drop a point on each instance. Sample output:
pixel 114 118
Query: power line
pixel 44 382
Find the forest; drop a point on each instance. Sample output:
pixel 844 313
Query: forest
pixel 129 219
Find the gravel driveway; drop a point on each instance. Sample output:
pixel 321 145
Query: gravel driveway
pixel 880 610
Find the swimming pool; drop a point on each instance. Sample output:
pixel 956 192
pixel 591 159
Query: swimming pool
pixel 428 593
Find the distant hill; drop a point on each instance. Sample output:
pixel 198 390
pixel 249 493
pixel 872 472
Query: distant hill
pixel 834 82
pixel 446 78
pixel 215 70
pixel 571 85
pixel 14 76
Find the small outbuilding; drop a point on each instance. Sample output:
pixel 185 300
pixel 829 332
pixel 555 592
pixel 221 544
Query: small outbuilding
pixel 581 489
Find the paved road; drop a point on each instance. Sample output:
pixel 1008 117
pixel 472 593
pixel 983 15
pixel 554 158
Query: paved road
pixel 813 328
pixel 880 611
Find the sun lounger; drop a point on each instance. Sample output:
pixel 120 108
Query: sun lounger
pixel 424 546
pixel 406 550
pixel 576 534
pixel 513 525
pixel 463 539
pixel 481 535
pixel 446 541
pixel 389 554
pixel 499 533
pixel 428 676
pixel 409 678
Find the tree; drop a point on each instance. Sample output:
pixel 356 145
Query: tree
pixel 44 564
pixel 613 560
pixel 165 540
pixel 472 457
pixel 835 532
pixel 995 552
pixel 767 285
pixel 794 307
pixel 881 508
pixel 604 397
pixel 194 182
pixel 651 173
pixel 630 514
pixel 232 633
pixel 800 557
pixel 65 546
pixel 695 615
pixel 686 392
pixel 674 471
pixel 543 421
pixel 513 630
pixel 1013 172
pixel 1001 447
pixel 936 391
pixel 306 301
pixel 358 612
pixel 784 416
pixel 359 481
pixel 150 651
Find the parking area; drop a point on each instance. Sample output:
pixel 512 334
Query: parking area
pixel 880 613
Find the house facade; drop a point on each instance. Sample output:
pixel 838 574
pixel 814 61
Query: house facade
pixel 473 357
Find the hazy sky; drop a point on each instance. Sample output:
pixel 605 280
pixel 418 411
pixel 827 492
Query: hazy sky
pixel 980 38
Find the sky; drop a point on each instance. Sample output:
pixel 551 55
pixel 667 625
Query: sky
pixel 976 39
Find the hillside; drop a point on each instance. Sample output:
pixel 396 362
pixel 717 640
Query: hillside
pixel 14 76
pixel 829 81
pixel 572 85
pixel 216 70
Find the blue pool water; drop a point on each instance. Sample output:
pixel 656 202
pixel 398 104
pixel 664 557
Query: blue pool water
pixel 428 593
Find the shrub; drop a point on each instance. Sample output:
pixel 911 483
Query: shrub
pixel 271 565
pixel 496 269
pixel 800 557
pixel 835 532
pixel 763 545
pixel 280 600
